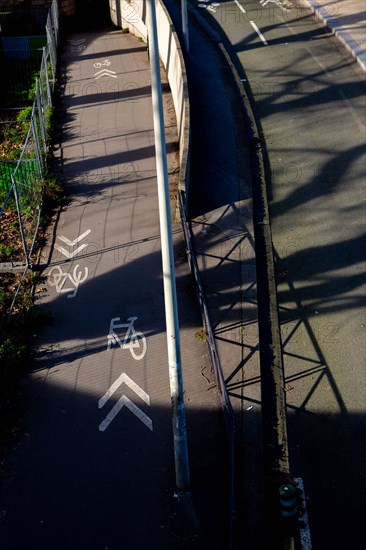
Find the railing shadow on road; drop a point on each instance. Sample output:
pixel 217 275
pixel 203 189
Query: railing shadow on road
pixel 91 93
pixel 127 268
pixel 223 255
pixel 106 54
pixel 270 15
pixel 337 279
pixel 128 274
pixel 304 321
pixel 125 471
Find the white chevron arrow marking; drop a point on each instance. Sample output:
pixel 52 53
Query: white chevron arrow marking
pixel 105 72
pixel 75 241
pixel 133 408
pixel 67 241
pixel 77 42
pixel 124 401
pixel 70 255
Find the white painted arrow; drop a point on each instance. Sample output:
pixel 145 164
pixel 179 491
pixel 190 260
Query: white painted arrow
pixel 67 241
pixel 75 241
pixel 77 42
pixel 124 401
pixel 105 72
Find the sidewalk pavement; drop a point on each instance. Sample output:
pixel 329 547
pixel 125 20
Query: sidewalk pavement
pixel 347 19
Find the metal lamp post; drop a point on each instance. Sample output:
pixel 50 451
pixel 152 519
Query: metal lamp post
pixel 170 296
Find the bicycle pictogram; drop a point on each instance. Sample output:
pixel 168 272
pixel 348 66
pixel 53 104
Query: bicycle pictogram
pixel 67 282
pixel 100 64
pixel 133 340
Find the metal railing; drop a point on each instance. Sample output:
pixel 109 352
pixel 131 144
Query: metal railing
pixel 21 180
pixel 215 361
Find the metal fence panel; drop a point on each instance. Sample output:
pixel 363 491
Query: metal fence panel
pixel 21 180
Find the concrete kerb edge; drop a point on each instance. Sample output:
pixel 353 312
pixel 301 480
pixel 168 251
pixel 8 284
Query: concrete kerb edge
pixel 277 467
pixel 281 464
pixel 254 140
pixel 331 23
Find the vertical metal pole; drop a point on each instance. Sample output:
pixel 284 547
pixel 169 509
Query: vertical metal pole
pixel 171 307
pixel 185 24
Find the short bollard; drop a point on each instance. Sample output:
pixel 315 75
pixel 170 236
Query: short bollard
pixel 288 501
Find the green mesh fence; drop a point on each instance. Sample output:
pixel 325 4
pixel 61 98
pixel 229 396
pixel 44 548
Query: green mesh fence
pixel 20 59
pixel 7 169
pixel 29 64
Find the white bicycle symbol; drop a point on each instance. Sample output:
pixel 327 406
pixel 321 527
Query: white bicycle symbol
pixel 134 340
pixel 99 65
pixel 65 282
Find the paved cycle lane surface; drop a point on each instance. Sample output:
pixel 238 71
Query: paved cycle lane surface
pixel 94 467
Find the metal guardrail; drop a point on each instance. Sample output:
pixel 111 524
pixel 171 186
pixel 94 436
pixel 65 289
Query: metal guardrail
pixel 215 360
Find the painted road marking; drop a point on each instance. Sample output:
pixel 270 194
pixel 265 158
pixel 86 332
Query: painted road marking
pixel 105 72
pixel 124 402
pixel 100 64
pixel 259 33
pixel 353 112
pixel 252 23
pixel 77 45
pixel 71 244
pixel 123 379
pixel 277 2
pixel 77 42
pixel 347 102
pixel 133 339
pixel 66 282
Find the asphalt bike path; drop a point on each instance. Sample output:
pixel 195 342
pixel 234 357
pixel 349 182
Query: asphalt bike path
pixel 93 467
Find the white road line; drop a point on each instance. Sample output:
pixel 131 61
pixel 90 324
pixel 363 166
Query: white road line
pixel 240 6
pixel 351 109
pixel 259 33
pixel 252 23
pixel 354 115
pixel 323 68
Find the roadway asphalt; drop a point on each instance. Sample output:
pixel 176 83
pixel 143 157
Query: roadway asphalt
pixel 308 96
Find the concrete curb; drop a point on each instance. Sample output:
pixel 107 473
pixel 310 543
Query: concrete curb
pixel 276 455
pixel 262 225
pixel 275 439
pixel 352 46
